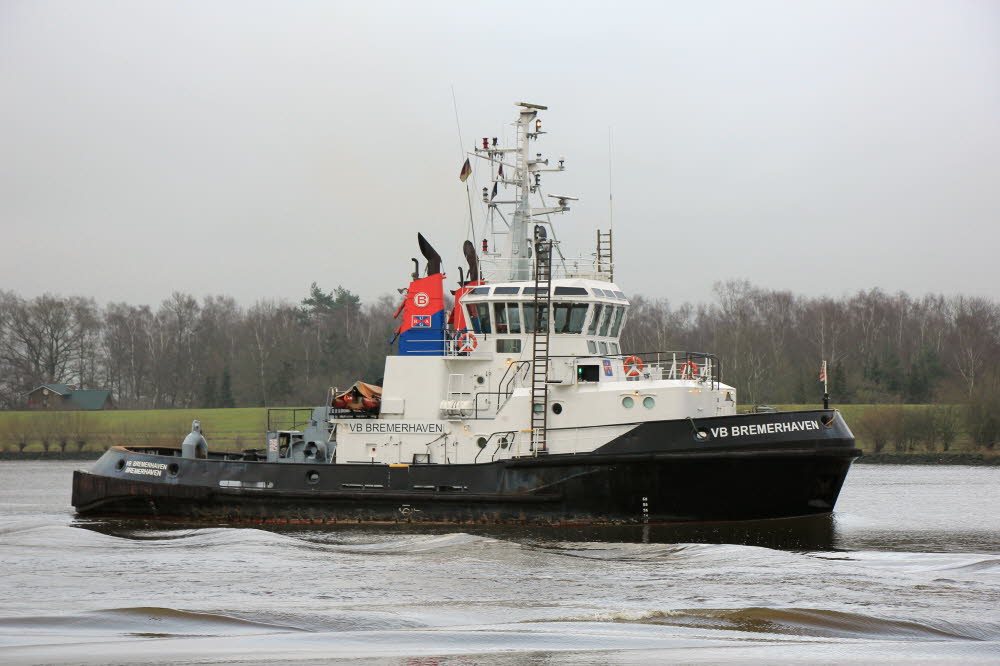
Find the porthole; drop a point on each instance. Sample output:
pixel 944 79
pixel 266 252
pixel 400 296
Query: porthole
pixel 504 443
pixel 480 379
pixel 312 476
pixel 120 465
pixel 481 442
pixel 648 402
pixel 173 469
pixel 701 434
pixel 556 408
pixel 628 402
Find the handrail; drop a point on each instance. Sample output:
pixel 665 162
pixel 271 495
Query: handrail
pixel 499 443
pixel 295 422
pixel 661 360
pixel 582 266
pixel 502 390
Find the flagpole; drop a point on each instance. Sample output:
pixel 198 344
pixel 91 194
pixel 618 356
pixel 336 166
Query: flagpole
pixel 461 152
pixel 826 391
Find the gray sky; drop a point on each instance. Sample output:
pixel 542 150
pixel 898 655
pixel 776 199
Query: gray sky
pixel 250 148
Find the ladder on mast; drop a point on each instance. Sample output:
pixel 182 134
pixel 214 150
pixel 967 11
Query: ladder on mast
pixel 540 346
pixel 605 261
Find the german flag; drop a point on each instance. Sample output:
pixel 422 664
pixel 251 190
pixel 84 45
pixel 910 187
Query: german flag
pixel 466 171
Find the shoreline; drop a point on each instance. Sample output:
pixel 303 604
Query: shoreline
pixel 949 458
pixel 51 455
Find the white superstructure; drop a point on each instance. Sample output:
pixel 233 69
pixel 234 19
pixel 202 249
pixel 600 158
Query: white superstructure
pixel 502 388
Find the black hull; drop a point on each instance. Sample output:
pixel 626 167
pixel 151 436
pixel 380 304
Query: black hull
pixel 655 474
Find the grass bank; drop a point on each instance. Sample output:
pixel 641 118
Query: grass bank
pixel 907 435
pixel 228 429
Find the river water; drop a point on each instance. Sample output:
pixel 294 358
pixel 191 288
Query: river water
pixel 908 569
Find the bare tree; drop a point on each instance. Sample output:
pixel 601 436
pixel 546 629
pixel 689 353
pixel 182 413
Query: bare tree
pixel 47 338
pixel 125 353
pixel 977 322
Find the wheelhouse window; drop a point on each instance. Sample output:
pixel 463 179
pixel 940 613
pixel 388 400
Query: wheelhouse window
pixel 570 291
pixel 507 317
pixel 500 312
pixel 616 326
pixel 529 317
pixel 569 317
pixel 595 319
pixel 506 290
pixel 604 347
pixel 514 317
pixel 591 346
pixel 606 321
pixel 479 316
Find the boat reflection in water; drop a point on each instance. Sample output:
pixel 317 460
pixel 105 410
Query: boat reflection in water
pixel 804 533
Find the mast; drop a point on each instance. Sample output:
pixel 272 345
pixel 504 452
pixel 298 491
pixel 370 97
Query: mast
pixel 518 247
pixel 515 260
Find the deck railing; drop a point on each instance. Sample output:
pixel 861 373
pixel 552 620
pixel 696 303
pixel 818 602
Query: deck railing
pixel 578 267
pixel 683 365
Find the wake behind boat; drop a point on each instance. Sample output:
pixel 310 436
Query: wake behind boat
pixel 516 405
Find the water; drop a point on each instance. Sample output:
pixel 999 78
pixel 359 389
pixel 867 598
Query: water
pixel 907 570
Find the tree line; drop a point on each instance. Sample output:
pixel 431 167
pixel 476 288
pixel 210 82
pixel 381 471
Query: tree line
pixel 186 353
pixel 881 347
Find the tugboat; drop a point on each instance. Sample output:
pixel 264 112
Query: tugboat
pixel 518 405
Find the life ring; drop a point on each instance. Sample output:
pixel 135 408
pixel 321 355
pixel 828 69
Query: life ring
pixel 467 342
pixel 633 366
pixel 689 369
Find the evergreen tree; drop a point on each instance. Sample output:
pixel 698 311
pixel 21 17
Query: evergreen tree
pixel 280 389
pixel 892 372
pixel 801 395
pixel 924 372
pixel 226 390
pixel 209 396
pixel 839 391
pixel 871 371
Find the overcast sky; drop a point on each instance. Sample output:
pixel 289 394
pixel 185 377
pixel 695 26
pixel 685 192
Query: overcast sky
pixel 251 148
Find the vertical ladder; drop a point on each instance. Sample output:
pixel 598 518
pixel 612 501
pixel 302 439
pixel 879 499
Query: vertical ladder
pixel 540 345
pixel 605 261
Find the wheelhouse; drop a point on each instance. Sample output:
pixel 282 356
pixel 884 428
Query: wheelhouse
pixel 587 316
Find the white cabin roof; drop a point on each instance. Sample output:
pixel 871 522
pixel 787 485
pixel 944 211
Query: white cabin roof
pixel 595 290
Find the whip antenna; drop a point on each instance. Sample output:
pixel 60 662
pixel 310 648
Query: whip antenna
pixel 461 153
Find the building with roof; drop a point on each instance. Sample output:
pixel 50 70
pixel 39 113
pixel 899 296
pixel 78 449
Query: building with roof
pixel 68 397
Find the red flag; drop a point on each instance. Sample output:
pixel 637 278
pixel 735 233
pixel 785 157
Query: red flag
pixel 500 172
pixel 822 372
pixel 466 171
